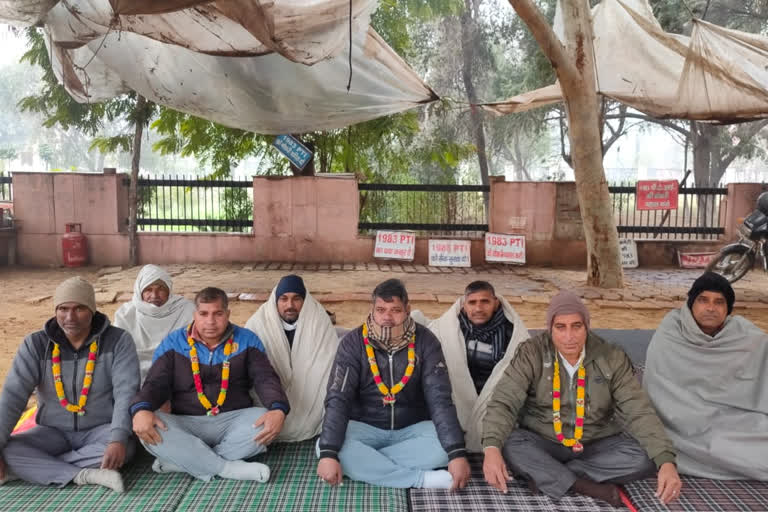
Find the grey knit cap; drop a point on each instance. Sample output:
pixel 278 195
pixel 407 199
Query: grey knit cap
pixel 566 303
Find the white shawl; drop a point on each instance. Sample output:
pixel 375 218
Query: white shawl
pixel 711 393
pixel 303 367
pixel 149 324
pixel 471 407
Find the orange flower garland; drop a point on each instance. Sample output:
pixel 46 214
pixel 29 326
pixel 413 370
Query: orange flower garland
pixel 79 408
pixel 211 410
pixel 389 395
pixel 578 430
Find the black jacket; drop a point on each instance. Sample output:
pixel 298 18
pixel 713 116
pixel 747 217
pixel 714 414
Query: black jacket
pixel 353 395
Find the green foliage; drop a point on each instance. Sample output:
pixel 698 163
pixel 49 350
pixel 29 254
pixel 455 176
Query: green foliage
pixel 237 204
pixel 220 147
pixel 7 153
pixel 53 101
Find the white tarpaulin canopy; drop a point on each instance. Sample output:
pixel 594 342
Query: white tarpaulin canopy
pixel 717 74
pixel 268 66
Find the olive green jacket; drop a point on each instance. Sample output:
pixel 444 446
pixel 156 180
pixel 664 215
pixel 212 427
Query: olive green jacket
pixel 614 400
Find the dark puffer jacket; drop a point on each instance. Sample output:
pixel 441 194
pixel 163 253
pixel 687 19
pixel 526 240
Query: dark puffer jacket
pixel 353 395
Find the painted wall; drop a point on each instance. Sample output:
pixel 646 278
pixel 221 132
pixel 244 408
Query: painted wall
pixel 304 219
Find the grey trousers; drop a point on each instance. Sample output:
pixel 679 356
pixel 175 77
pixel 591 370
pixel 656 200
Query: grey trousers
pixel 554 468
pixel 46 455
pixel 201 445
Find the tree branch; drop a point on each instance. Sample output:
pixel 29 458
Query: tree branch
pixel 662 122
pixel 548 41
pixel 618 132
pixel 737 150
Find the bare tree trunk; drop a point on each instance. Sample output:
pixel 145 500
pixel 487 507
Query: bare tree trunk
pixel 574 65
pixel 478 130
pixel 133 197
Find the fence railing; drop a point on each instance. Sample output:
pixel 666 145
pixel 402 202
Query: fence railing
pixel 459 210
pixel 195 204
pixel 436 210
pixel 6 188
pixel 697 217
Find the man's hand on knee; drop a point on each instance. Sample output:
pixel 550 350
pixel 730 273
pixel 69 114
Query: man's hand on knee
pixel 114 456
pixel 460 471
pixel 329 470
pixel 144 423
pixel 273 424
pixel 495 469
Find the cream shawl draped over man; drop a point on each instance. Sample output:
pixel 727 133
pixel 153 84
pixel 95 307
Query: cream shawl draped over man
pixel 479 335
pixel 153 313
pixel 301 342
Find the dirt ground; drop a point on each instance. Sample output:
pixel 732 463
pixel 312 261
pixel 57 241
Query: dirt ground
pixel 25 303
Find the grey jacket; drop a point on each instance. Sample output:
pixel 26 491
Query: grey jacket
pixel 115 381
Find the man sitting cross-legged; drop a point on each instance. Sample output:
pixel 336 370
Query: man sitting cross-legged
pixel 706 376
pixel 389 419
pixel 300 342
pixel 569 414
pixel 479 335
pixel 84 372
pixel 206 370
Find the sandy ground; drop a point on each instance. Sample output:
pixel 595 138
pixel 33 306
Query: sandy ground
pixel 25 302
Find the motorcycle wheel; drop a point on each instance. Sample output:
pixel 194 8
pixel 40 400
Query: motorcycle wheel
pixel 733 262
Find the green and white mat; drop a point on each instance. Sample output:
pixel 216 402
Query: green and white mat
pixel 293 486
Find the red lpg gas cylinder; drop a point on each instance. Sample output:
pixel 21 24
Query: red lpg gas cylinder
pixel 74 246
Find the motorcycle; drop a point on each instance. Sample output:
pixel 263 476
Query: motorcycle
pixel 735 260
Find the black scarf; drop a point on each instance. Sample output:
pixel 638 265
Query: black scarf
pixel 493 332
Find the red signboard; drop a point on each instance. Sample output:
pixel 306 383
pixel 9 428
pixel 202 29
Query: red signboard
pixel 656 195
pixel 695 259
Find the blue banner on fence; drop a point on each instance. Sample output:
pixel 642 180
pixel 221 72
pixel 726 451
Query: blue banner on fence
pixel 294 150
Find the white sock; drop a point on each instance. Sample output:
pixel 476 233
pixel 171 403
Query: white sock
pixel 166 467
pixel 106 477
pixel 241 470
pixel 439 479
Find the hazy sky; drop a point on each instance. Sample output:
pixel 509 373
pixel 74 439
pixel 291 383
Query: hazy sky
pixel 11 45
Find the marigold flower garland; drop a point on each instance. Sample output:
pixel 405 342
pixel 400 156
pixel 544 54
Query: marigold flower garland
pixel 87 380
pixel 211 410
pixel 389 394
pixel 578 430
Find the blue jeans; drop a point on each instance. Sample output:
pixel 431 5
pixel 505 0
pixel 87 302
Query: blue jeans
pixel 201 445
pixel 391 458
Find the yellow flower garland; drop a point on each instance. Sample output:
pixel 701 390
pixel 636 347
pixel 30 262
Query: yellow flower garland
pixel 79 409
pixel 210 409
pixel 389 395
pixel 557 423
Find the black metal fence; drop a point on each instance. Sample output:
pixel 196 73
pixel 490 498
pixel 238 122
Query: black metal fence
pixel 697 216
pixel 459 210
pixel 195 204
pixel 437 210
pixel 6 188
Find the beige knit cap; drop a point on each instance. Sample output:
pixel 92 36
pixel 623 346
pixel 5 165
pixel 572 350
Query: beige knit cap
pixel 566 303
pixel 75 289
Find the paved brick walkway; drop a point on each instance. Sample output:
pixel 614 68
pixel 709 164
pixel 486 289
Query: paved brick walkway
pixel 341 282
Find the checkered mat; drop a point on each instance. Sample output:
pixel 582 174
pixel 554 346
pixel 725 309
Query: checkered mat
pixel 703 495
pixel 293 486
pixel 699 495
pixel 480 496
pixel 145 490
